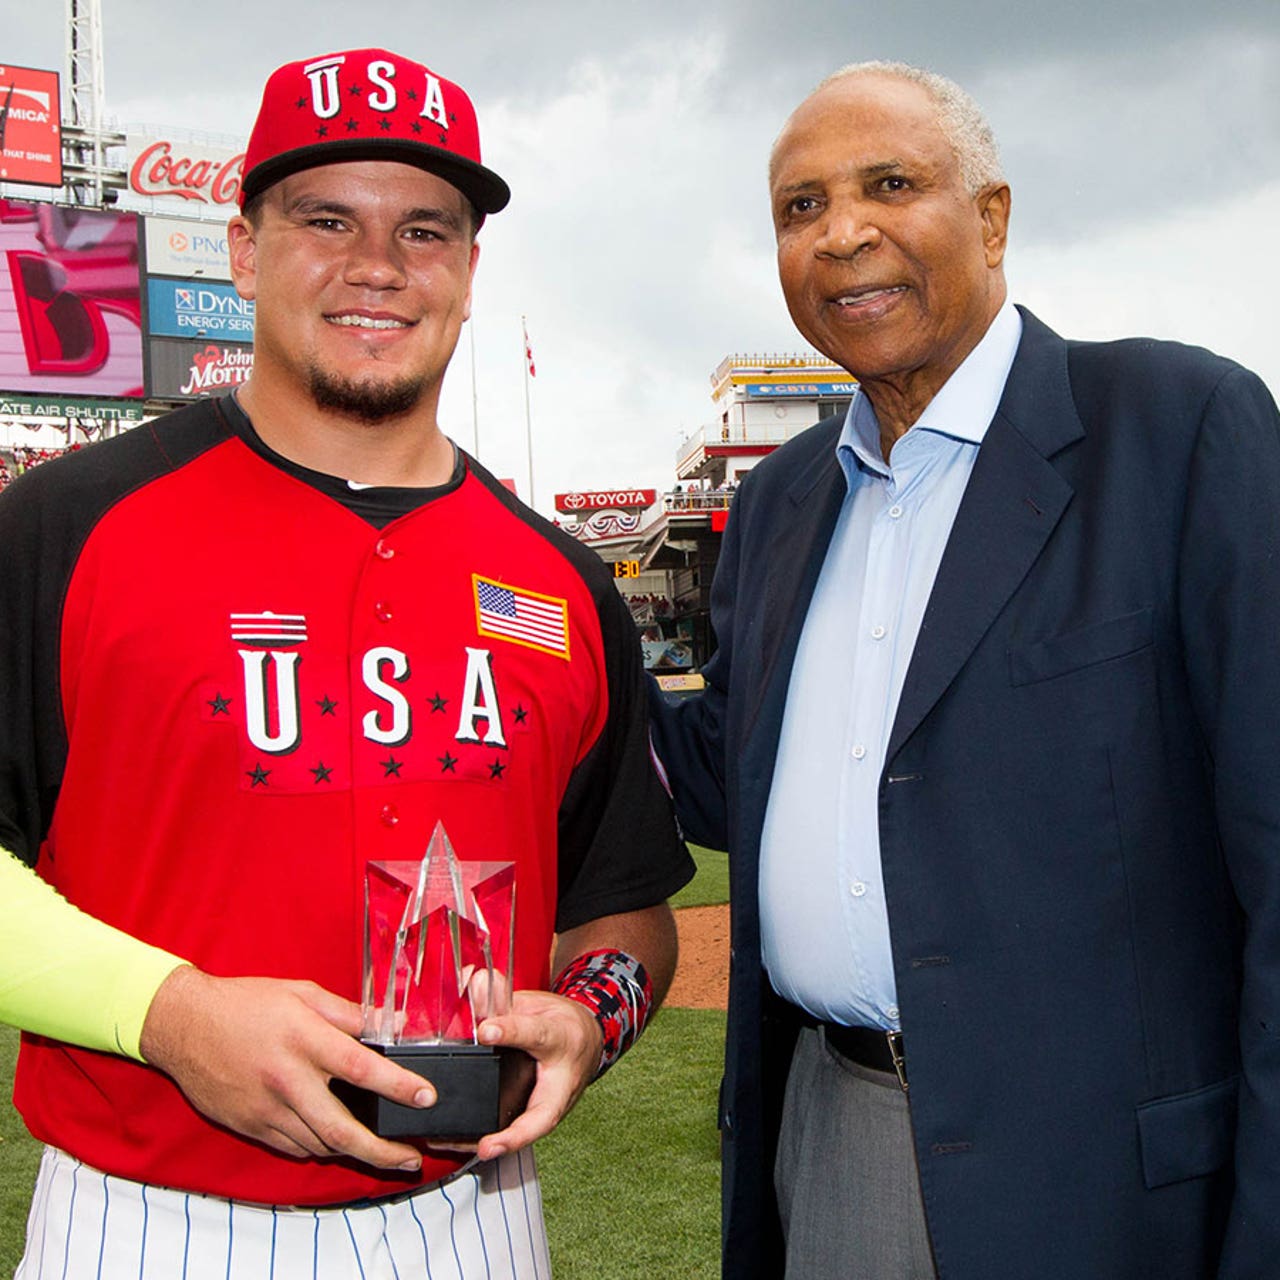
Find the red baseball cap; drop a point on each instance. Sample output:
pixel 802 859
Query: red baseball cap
pixel 368 104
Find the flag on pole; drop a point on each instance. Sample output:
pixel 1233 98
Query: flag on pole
pixel 528 350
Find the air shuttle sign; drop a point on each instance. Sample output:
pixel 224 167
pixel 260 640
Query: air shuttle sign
pixel 187 309
pixel 30 127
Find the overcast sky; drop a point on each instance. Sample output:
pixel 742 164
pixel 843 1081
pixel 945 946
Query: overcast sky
pixel 1141 140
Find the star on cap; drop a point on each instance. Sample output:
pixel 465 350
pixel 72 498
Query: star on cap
pixel 302 102
pixel 354 90
pixel 352 124
pixel 322 131
pixel 385 123
pixel 415 126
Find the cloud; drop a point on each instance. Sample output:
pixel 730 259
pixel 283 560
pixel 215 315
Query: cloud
pixel 1204 276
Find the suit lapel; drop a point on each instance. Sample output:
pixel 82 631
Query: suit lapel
pixel 796 549
pixel 1014 499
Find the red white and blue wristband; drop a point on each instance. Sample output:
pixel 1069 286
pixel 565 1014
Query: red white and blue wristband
pixel 616 988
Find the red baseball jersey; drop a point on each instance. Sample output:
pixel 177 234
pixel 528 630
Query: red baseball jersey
pixel 225 691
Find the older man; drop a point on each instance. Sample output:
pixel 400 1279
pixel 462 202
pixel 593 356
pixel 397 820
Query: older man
pixel 257 644
pixel 990 737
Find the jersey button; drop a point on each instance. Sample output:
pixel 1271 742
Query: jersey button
pixel 382 551
pixel 390 815
pixel 382 611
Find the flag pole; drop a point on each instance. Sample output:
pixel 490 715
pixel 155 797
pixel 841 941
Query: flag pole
pixel 528 417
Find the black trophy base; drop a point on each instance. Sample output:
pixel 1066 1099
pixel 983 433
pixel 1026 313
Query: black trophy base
pixel 479 1090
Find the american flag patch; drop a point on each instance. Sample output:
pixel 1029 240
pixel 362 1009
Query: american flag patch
pixel 525 617
pixel 268 630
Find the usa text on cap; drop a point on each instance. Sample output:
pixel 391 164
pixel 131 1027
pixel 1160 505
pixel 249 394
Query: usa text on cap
pixel 368 104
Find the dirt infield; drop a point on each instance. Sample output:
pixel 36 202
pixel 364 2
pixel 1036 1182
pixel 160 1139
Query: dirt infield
pixel 702 976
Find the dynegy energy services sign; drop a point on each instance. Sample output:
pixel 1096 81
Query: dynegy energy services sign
pixel 185 309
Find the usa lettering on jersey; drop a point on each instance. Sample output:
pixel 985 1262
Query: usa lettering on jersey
pixel 299 735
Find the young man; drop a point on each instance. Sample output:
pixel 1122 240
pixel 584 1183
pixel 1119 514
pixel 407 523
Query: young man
pixel 259 643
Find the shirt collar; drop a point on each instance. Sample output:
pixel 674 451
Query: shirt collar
pixel 962 409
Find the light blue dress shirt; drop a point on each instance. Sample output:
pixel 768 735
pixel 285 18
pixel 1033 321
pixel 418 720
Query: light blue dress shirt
pixel 824 924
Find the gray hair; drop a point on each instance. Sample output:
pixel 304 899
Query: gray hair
pixel 959 117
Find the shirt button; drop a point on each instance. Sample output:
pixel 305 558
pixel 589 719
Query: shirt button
pixel 382 611
pixel 389 816
pixel 857 888
pixel 877 633
pixel 892 1012
pixel 382 551
pixel 895 511
pixel 859 751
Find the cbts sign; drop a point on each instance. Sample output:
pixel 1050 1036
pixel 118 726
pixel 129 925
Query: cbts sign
pixel 605 500
pixel 190 309
pixel 188 173
pixel 178 247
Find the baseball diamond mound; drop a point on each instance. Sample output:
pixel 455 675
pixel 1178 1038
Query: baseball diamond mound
pixel 702 976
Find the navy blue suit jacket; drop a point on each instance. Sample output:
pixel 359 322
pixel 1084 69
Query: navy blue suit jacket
pixel 1079 822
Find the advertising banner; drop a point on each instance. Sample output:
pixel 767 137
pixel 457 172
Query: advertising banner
pixel 188 370
pixel 30 127
pixel 181 247
pixel 70 312
pixel 776 390
pixel 605 500
pixel 183 174
pixel 53 422
pixel 195 309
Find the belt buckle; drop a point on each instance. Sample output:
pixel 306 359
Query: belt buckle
pixel 895 1052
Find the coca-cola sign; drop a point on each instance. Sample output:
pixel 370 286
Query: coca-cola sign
pixel 188 370
pixel 605 500
pixel 187 172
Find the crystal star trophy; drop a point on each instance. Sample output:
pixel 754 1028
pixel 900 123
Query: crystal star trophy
pixel 439 944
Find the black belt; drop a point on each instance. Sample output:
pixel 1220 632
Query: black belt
pixel 867 1046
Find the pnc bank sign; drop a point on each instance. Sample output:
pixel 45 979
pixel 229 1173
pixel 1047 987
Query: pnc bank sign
pixel 583 503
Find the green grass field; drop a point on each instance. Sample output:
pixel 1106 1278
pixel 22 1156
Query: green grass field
pixel 631 1180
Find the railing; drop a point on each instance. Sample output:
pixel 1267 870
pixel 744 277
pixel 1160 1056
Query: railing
pixel 770 361
pixel 738 433
pixel 696 500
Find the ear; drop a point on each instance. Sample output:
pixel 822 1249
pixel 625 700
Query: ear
pixel 993 209
pixel 471 275
pixel 242 247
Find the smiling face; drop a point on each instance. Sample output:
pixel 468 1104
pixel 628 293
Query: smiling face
pixel 888 265
pixel 361 277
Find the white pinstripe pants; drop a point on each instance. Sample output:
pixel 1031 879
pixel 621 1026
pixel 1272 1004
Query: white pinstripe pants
pixel 485 1224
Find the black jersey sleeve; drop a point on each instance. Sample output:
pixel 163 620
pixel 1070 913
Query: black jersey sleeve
pixel 620 849
pixel 46 517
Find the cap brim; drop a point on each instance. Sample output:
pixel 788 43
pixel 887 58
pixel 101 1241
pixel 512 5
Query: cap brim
pixel 481 186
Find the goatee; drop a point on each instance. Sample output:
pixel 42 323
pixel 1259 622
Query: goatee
pixel 370 402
